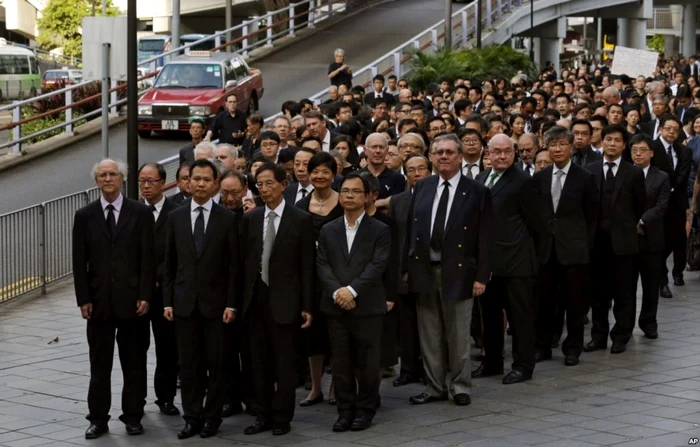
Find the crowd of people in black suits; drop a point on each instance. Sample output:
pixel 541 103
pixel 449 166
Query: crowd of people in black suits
pixel 392 224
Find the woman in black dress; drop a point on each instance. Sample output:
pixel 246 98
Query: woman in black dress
pixel 346 146
pixel 324 207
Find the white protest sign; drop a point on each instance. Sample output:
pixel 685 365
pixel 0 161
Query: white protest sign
pixel 634 62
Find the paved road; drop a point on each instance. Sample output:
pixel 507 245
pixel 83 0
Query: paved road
pixel 296 72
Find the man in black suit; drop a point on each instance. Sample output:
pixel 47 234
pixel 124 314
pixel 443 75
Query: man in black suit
pixel 416 167
pixel 353 254
pixel 378 92
pixel 448 263
pixel 302 187
pixel 199 293
pixel 616 245
pixel 569 208
pixel 651 237
pixel 114 271
pixel 182 178
pixel 278 287
pixel 660 107
pixel 514 265
pixel 583 152
pixel 151 178
pixel 197 130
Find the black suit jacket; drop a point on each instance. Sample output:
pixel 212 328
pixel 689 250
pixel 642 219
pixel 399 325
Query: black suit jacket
pixel 466 248
pixel 570 230
pixel 658 194
pixel 159 234
pixel 393 269
pixel 589 156
pixel 187 153
pixel 362 267
pixel 629 202
pixel 399 206
pixel 388 97
pixel 207 282
pixel 516 218
pixel 678 176
pixel 113 273
pixel 179 199
pixel 648 128
pixel 291 267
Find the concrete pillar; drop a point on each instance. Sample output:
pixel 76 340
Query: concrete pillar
pixel 549 51
pixel 537 51
pixel 622 32
pixel 688 33
pixel 637 33
pixel 599 35
pixel 550 38
pixel 669 45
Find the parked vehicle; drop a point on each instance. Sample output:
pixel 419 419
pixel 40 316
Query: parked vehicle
pixel 61 77
pixel 19 72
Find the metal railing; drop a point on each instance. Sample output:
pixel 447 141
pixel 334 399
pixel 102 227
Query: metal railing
pixel 277 24
pixel 661 19
pixel 35 242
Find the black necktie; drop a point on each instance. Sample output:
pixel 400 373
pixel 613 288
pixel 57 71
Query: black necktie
pixel 610 176
pixel 111 221
pixel 578 158
pixel 670 156
pixel 440 217
pixel 303 192
pixel 153 210
pixel 199 231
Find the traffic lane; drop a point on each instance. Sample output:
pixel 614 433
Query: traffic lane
pixel 301 69
pixel 67 170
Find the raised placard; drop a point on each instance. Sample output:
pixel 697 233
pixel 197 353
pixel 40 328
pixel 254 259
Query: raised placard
pixel 99 30
pixel 634 62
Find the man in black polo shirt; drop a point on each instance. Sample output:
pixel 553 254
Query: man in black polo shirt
pixel 391 182
pixel 229 125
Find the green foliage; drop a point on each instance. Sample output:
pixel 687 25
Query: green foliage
pixel 490 62
pixel 61 21
pixel 44 123
pixel 657 42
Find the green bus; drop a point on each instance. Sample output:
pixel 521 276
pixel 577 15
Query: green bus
pixel 19 73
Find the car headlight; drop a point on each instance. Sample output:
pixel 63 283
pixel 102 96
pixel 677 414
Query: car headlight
pixel 145 110
pixel 200 110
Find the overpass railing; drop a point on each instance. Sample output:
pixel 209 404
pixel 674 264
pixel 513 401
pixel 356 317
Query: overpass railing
pixel 252 34
pixel 35 242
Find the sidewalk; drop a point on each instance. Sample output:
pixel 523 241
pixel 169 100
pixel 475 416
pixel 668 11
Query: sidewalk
pixel 648 396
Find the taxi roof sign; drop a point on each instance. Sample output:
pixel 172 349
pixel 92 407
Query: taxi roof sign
pixel 199 53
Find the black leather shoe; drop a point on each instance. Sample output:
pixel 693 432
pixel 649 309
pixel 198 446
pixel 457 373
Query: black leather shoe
pixel 168 409
pixel 617 348
pixel 360 424
pixel 570 360
pixel 425 398
pixel 515 376
pixel 652 335
pixel 342 425
pixel 462 399
pixel 387 372
pixel 482 371
pixel 595 346
pixel 309 402
pixel 281 429
pixel 678 281
pixel 94 431
pixel 210 429
pixel 665 292
pixel 229 410
pixel 189 431
pixel 405 379
pixel 134 429
pixel 541 356
pixel 257 427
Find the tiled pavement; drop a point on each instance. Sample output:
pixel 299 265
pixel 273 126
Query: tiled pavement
pixel 648 396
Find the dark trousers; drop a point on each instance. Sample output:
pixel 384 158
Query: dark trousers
pixel 356 346
pixel 408 336
pixel 133 339
pixel 232 362
pixel 516 296
pixel 389 354
pixel 200 343
pixel 676 243
pixel 613 280
pixel 563 284
pixel 650 274
pixel 165 377
pixel 274 360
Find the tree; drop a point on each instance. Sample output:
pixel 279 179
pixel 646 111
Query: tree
pixel 657 42
pixel 61 21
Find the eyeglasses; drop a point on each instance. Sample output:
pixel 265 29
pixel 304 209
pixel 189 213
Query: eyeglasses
pixel 267 184
pixel 500 153
pixel 351 192
pixel 639 150
pixel 671 129
pixel 150 181
pixel 471 141
pixel 559 145
pixel 416 170
pixel 269 144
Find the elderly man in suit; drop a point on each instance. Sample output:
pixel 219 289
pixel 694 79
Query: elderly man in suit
pixel 151 177
pixel 514 264
pixel 199 294
pixel 416 167
pixel 651 232
pixel 353 253
pixel 448 262
pixel 114 272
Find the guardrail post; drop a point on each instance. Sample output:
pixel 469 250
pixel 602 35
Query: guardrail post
pixel 330 8
pixel 114 96
pixel 374 71
pixel 416 45
pixel 42 249
pixel 434 34
pixel 465 29
pixel 152 67
pixel 311 18
pixel 397 65
pixel 499 6
pixel 17 130
pixel 217 40
pixel 488 12
pixel 69 112
pixel 268 22
pixel 244 30
pixel 291 18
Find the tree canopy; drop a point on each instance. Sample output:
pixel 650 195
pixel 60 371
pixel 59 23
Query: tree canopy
pixel 61 21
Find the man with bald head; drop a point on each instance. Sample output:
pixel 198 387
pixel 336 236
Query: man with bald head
pixel 528 143
pixel 405 95
pixel 115 278
pixel 390 182
pixel 514 264
pixel 611 96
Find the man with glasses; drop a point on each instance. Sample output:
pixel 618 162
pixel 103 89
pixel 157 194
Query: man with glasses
pixel 282 126
pixel 447 263
pixel 436 125
pixel 270 145
pixel 391 182
pixel 411 143
pixel 471 154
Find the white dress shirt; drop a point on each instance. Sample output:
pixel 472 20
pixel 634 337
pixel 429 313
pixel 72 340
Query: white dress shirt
pixel 350 233
pixel 563 177
pixel 474 168
pixel 673 153
pixel 158 206
pixel 454 182
pixel 309 189
pixel 117 204
pixel 656 129
pixel 279 210
pixel 528 169
pixel 495 175
pixel 217 198
pixel 194 212
pixel 646 171
pixel 326 143
pixel 614 168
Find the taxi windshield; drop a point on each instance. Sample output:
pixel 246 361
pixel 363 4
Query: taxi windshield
pixel 190 76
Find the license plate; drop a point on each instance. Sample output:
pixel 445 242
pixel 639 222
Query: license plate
pixel 169 125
